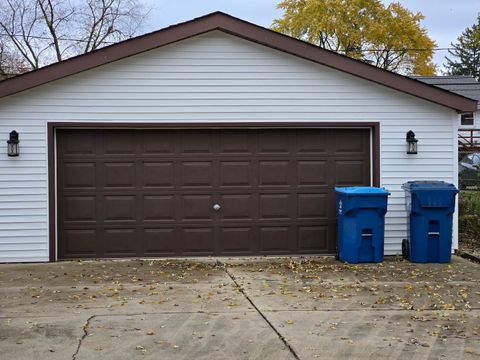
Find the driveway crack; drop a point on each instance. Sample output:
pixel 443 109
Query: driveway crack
pixel 244 293
pixel 85 334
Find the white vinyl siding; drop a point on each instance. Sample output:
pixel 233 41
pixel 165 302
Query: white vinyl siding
pixel 214 77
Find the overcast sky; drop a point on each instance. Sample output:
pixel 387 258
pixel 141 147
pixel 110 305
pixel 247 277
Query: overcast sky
pixel 444 19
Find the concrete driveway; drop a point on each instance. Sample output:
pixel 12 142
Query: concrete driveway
pixel 284 308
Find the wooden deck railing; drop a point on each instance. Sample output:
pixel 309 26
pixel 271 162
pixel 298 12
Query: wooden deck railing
pixel 468 140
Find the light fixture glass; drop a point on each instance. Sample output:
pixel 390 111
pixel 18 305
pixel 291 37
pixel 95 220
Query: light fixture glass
pixel 12 144
pixel 411 143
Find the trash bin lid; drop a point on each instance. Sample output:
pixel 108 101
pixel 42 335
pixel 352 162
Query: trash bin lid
pixel 361 190
pixel 428 185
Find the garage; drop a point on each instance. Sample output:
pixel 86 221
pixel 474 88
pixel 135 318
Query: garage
pixel 212 137
pixel 201 192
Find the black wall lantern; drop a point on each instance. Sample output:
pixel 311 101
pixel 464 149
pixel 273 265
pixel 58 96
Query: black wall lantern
pixel 411 143
pixel 12 144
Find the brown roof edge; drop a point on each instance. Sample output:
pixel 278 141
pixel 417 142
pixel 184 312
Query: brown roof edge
pixel 245 30
pixel 106 55
pixel 346 64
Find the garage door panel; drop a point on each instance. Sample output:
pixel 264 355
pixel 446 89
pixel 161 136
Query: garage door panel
pixel 312 206
pixel 274 173
pixel 275 206
pixel 79 242
pixel 275 142
pixel 120 242
pixel 119 174
pixel 331 204
pixel 234 240
pixel 160 241
pixel 348 141
pixel 158 142
pixel 236 206
pixel 350 173
pixel 197 174
pixel 79 208
pixel 234 142
pixel 198 241
pixel 312 239
pixel 275 239
pixel 196 142
pixel 78 143
pixel 121 142
pixel 312 172
pixel 79 175
pixel 158 207
pixel 312 142
pixel 120 208
pixel 159 174
pixel 235 173
pixel 124 193
pixel 197 207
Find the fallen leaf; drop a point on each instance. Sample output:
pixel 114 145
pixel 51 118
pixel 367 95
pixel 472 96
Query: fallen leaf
pixel 141 348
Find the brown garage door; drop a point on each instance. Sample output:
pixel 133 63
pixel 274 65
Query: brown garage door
pixel 127 193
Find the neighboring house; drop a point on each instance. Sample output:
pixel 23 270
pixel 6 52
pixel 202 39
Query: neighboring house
pixel 468 122
pixel 466 86
pixel 211 137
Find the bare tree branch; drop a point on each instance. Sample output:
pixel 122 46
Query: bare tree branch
pixel 11 63
pixel 48 15
pixel 26 33
pixel 44 31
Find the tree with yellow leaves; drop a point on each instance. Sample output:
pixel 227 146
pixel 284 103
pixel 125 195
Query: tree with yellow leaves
pixel 390 37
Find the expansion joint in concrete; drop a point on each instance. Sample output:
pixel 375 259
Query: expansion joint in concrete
pixel 244 293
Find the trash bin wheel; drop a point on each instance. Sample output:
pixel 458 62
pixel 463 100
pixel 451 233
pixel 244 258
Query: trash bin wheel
pixel 337 255
pixel 405 249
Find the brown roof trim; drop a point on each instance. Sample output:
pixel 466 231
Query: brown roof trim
pixel 245 30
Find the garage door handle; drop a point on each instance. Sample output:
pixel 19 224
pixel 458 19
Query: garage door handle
pixel 216 207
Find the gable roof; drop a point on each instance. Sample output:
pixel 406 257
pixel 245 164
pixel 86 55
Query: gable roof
pixel 463 85
pixel 248 31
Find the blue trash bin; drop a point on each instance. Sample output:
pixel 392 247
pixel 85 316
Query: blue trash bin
pixel 361 223
pixel 430 208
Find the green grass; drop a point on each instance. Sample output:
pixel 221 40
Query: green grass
pixel 469 212
pixel 469 203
